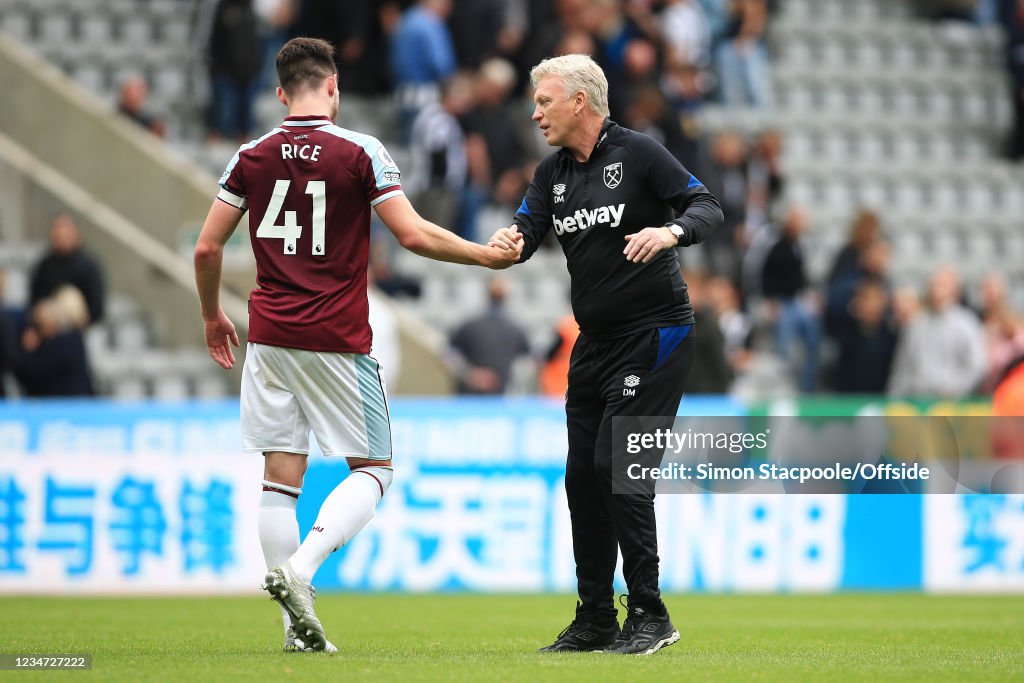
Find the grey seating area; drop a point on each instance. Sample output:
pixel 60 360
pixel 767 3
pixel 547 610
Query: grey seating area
pixel 127 364
pixel 877 107
pixel 99 42
pixel 882 109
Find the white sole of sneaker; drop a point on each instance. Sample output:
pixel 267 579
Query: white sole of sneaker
pixel 664 642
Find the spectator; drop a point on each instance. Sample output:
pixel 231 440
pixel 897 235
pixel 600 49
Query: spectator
pixel 485 346
pixel 229 36
pixel 53 360
pixel 650 114
pixel 865 229
pixel 422 57
pixel 742 57
pixel 639 70
pixel 717 17
pixel 764 176
pixel 1008 400
pixel 1011 16
pixel 275 19
pixel 1004 332
pixel 438 173
pixel 68 263
pixel 872 262
pixel 131 102
pixel 948 10
pixel 360 32
pixel 575 43
pixel 905 306
pixel 1007 425
pixel 725 176
pixel 550 25
pixel 686 32
pixel 866 342
pixel 711 372
pixel 482 29
pixel 1004 336
pixel 498 165
pixel 941 353
pixel 795 307
pixel 684 87
pixel 734 323
pixel 554 376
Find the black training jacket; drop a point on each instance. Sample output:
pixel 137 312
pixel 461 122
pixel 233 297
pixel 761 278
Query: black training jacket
pixel 629 183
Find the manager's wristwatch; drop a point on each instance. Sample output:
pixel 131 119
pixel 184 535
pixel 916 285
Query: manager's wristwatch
pixel 678 231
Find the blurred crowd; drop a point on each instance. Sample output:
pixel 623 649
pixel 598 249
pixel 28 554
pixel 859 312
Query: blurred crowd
pixel 663 57
pixel 457 74
pixel 855 333
pixel 42 346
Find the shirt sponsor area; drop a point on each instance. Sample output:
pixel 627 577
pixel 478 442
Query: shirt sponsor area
pixel 104 497
pixel 582 219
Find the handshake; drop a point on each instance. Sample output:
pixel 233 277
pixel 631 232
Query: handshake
pixel 508 242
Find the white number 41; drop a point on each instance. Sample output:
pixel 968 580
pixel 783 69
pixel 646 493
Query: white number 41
pixel 290 231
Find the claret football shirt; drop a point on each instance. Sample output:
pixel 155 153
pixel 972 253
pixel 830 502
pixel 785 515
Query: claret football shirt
pixel 308 186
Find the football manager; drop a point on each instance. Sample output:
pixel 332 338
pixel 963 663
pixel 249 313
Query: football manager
pixel 620 204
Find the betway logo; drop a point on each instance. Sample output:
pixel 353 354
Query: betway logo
pixel 585 218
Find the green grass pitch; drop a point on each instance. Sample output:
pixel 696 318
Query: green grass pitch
pixel 392 637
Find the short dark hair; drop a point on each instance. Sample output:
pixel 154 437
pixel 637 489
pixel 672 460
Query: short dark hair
pixel 304 62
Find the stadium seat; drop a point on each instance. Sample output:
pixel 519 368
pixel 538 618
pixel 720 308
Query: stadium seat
pixel 53 30
pixel 135 30
pixel 16 23
pixel 94 28
pixel 170 81
pixel 176 30
pixel 129 389
pixel 170 388
pixel 210 387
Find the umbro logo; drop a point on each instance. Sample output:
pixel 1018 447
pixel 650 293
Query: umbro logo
pixel 613 175
pixel 586 635
pixel 559 191
pixel 631 381
pixel 650 627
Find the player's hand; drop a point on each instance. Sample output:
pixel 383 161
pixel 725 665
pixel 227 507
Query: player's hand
pixel 506 246
pixel 503 257
pixel 642 246
pixel 220 335
pixel 507 238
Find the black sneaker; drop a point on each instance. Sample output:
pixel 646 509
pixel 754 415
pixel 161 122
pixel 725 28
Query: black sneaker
pixel 583 635
pixel 643 633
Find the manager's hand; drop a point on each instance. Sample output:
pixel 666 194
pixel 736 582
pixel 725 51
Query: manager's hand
pixel 507 238
pixel 642 246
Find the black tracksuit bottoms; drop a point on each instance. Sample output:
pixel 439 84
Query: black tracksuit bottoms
pixel 641 374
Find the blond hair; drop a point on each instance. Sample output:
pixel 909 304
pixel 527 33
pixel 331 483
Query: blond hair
pixel 578 73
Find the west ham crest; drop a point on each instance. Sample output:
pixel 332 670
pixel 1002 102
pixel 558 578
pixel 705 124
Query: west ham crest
pixel 613 175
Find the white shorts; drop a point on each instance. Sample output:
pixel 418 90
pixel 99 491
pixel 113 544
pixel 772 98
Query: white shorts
pixel 341 396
